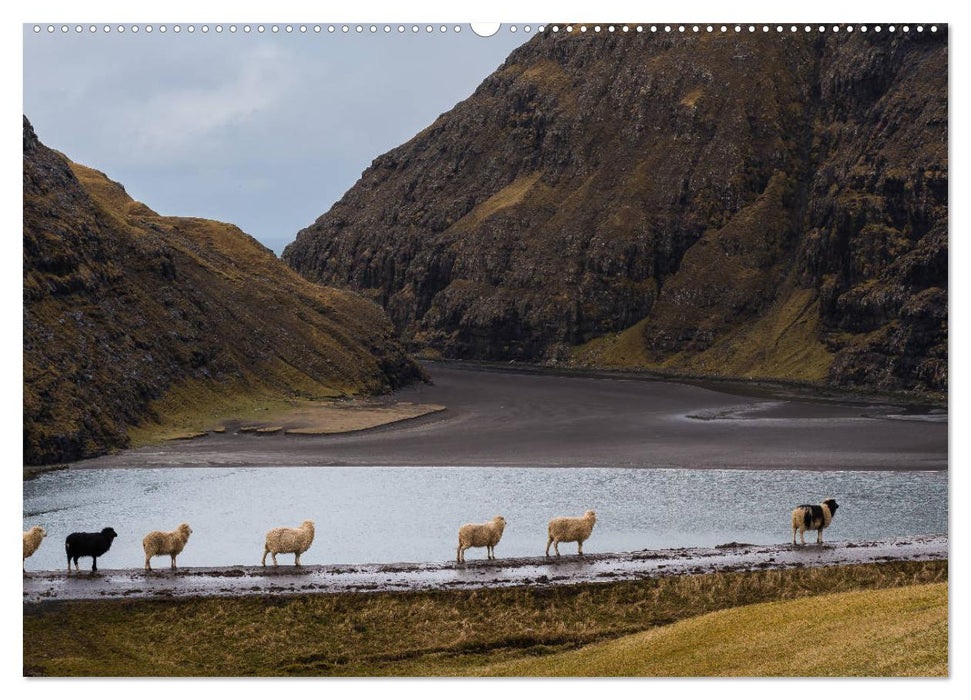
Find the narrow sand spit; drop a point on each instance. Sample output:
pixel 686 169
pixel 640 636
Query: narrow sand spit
pixel 477 573
pixel 321 418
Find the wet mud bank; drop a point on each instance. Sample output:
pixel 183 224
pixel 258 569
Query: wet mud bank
pixel 237 581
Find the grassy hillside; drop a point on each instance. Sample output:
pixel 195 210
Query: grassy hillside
pixel 470 632
pixel 136 319
pixel 892 632
pixel 783 343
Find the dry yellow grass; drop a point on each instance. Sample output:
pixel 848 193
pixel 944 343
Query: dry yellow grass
pixel 783 344
pixel 265 414
pixel 325 419
pixel 890 632
pixel 692 97
pixel 616 350
pixel 508 196
pixel 109 194
pixel 446 633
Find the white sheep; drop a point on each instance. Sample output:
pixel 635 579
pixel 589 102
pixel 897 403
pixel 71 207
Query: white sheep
pixel 288 540
pixel 570 530
pixel 484 535
pixel 158 543
pixel 32 540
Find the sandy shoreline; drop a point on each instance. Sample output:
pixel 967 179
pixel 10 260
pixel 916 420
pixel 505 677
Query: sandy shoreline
pixel 43 586
pixel 524 419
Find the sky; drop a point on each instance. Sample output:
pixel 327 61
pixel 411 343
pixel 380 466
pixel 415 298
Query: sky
pixel 265 131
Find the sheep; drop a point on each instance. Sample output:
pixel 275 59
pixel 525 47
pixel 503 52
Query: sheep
pixel 32 540
pixel 286 540
pixel 158 543
pixel 808 517
pixel 485 535
pixel 88 544
pixel 570 530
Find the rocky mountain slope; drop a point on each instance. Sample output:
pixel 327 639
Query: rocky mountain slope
pixel 742 205
pixel 123 308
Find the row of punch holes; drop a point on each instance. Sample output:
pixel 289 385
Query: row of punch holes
pixel 429 29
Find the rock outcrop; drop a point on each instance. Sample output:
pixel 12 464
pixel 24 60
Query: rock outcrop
pixel 744 204
pixel 123 307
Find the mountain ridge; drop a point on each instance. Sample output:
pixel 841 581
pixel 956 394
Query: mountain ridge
pixel 130 316
pixel 765 207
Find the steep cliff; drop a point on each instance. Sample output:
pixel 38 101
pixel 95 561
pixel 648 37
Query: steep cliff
pixel 123 307
pixel 745 205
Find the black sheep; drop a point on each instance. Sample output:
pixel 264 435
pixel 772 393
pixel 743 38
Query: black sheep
pixel 88 544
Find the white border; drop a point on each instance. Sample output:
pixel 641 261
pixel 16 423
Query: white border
pixel 386 11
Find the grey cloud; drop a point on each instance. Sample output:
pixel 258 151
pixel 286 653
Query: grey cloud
pixel 264 131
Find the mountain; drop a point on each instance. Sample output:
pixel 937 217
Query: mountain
pixel 124 308
pixel 770 206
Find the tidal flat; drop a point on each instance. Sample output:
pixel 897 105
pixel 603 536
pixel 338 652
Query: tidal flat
pixel 507 418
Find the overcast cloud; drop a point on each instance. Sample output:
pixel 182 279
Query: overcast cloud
pixel 264 131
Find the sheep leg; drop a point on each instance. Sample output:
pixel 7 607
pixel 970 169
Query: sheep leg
pixel 173 562
pixel 556 547
pixel 148 563
pixel 580 548
pixel 274 558
pixel 794 535
pixel 296 562
pixel 266 550
pixel 819 536
pixel 548 543
pixel 94 563
pixel 458 554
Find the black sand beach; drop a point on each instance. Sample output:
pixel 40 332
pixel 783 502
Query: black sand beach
pixel 524 419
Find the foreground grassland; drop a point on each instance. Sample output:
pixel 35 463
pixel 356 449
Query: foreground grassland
pixel 482 632
pixel 888 632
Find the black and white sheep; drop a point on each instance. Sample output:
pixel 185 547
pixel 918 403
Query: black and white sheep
pixel 809 517
pixel 88 544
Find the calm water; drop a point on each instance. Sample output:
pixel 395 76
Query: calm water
pixel 400 514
